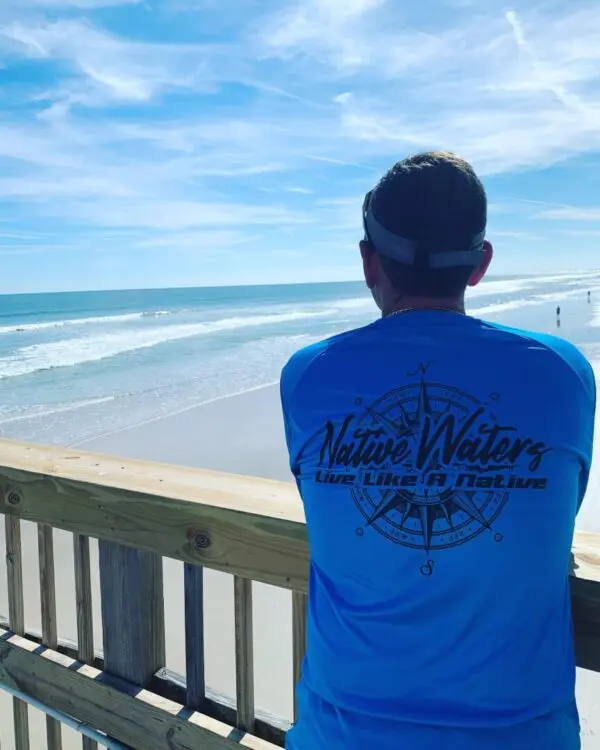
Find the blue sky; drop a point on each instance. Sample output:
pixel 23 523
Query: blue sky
pixel 190 142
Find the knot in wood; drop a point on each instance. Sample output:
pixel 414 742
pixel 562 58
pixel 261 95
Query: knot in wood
pixel 201 540
pixel 12 497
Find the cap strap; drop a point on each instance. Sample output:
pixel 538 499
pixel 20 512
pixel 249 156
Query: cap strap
pixel 406 251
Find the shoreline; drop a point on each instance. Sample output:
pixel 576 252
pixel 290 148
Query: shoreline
pixel 177 412
pixel 238 434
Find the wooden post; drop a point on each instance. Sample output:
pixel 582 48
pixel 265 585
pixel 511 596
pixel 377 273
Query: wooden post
pixel 16 610
pixel 133 613
pixel 193 578
pixel 85 620
pixel 244 653
pixel 48 606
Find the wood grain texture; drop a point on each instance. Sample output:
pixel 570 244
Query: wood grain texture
pixel 244 653
pixel 193 584
pixel 299 607
pixel 48 615
pixel 138 718
pixel 251 527
pixel 14 573
pixel 47 586
pixel 133 612
pixel 84 608
pixel 16 609
pixel 172 686
pixel 83 598
pixel 238 524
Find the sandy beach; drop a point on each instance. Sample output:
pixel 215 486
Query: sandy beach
pixel 244 435
pixel 241 434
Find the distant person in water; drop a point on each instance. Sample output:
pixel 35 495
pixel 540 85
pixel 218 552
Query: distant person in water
pixel 589 296
pixel 430 468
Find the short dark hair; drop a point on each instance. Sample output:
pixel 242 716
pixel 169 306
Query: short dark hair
pixel 436 200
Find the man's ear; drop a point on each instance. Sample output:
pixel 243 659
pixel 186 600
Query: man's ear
pixel 370 262
pixel 481 270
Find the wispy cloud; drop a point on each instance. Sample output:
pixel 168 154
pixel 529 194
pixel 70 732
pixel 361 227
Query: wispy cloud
pixel 184 215
pixel 204 122
pixel 325 29
pixel 63 4
pixel 103 68
pixel 582 233
pixel 515 234
pixel 545 75
pixel 299 190
pixel 571 213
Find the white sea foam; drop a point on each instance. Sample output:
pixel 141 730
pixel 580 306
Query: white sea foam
pixel 501 287
pixel 537 299
pixel 75 351
pixel 353 304
pixel 90 344
pixel 595 321
pixel 487 288
pixel 35 412
pixel 510 286
pixel 124 318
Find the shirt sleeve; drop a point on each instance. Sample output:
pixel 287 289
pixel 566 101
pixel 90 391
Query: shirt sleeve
pixel 292 390
pixel 290 377
pixel 588 438
pixel 287 424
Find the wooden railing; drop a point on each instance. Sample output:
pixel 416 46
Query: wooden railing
pixel 141 512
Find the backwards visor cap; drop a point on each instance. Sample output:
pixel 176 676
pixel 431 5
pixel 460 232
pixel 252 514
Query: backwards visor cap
pixel 407 252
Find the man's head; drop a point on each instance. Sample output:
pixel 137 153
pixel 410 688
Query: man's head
pixel 424 232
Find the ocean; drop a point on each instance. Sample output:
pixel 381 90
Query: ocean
pixel 74 366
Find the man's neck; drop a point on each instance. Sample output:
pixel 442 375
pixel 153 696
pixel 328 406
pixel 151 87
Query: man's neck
pixel 425 303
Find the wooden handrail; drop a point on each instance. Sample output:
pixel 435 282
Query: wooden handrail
pixel 140 511
pixel 139 718
pixel 241 525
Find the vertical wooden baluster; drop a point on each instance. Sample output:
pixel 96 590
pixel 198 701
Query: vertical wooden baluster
pixel 133 612
pixel 193 582
pixel 299 605
pixel 16 616
pixel 83 600
pixel 49 627
pixel 244 653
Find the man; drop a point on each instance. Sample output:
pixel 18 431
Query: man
pixel 441 461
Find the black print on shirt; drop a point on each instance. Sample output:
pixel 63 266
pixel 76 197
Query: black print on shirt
pixel 428 465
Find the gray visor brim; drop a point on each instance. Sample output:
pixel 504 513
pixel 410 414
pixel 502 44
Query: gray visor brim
pixel 405 251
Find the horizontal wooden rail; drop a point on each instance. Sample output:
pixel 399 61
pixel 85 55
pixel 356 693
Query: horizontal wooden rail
pixel 249 527
pixel 253 528
pixel 172 686
pixel 138 718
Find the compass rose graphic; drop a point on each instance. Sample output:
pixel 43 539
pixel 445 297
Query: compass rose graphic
pixel 438 510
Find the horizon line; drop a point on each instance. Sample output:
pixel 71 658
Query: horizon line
pixel 488 277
